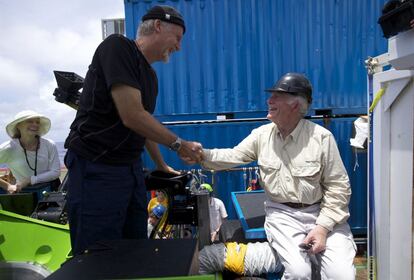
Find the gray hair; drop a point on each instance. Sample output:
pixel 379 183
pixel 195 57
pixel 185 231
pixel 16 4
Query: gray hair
pixel 146 28
pixel 304 106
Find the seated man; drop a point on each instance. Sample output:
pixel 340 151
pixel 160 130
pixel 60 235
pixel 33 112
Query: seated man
pixel 305 181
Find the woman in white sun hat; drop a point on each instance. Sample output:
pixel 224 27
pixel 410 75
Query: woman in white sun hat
pixel 31 158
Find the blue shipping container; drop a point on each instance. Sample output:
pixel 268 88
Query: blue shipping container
pixel 233 50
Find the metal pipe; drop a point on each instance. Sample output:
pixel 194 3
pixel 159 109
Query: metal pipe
pixel 314 117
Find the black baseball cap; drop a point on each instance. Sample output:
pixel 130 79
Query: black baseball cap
pixel 165 13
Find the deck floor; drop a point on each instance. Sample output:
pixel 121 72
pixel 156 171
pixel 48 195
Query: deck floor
pixel 361 268
pixel 360 263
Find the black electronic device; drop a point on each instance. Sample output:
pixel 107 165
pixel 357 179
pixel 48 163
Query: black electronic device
pixel 181 192
pixel 69 84
pixel 305 246
pixel 396 17
pixel 52 208
pixel 187 203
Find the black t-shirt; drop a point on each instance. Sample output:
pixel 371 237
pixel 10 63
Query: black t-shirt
pixel 97 133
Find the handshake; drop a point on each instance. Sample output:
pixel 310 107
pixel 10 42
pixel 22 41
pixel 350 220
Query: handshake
pixel 191 152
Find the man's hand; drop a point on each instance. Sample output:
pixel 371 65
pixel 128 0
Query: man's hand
pixel 191 152
pixel 168 169
pixel 316 237
pixel 213 236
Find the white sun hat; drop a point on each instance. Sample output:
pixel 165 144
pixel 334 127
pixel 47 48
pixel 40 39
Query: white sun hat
pixel 11 128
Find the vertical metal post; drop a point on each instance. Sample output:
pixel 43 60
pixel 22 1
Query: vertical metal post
pixel 203 217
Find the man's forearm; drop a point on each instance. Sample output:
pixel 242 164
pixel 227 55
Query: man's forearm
pixel 134 116
pixel 146 125
pixel 220 159
pixel 154 152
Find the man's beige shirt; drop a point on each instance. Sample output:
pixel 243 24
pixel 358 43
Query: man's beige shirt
pixel 306 167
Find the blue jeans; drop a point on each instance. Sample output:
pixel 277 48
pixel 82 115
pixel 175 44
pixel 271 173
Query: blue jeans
pixel 105 202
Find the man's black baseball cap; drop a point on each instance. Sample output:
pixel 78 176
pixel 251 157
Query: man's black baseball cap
pixel 165 13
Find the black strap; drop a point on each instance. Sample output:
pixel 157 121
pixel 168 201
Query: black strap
pixel 27 160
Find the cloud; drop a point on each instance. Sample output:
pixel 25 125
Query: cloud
pixel 42 36
pixel 14 74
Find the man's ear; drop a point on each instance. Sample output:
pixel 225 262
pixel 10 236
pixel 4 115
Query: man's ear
pixel 157 25
pixel 295 105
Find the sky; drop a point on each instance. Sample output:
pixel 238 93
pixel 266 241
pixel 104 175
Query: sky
pixel 38 37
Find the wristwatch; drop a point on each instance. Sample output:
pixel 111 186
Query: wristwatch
pixel 176 145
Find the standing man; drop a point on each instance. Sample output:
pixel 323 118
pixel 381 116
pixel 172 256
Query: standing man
pixel 305 181
pixel 106 193
pixel 217 212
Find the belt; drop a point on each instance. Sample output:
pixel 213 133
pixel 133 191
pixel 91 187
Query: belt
pixel 296 205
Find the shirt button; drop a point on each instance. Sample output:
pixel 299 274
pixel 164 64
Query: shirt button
pixel 287 179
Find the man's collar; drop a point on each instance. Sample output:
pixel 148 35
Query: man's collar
pixel 295 133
